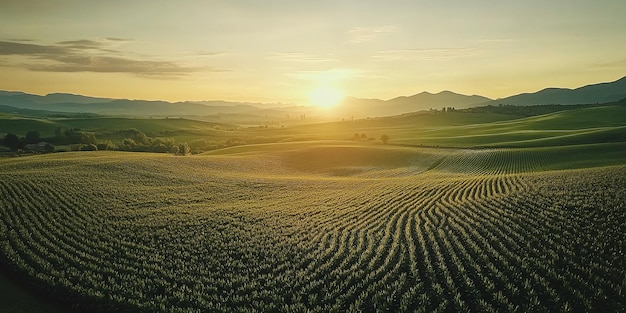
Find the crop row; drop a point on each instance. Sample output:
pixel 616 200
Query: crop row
pixel 152 235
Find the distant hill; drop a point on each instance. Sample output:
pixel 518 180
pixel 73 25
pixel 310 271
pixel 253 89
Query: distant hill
pixel 595 93
pixel 427 100
pixel 589 94
pixel 418 102
pixel 350 107
pixel 61 102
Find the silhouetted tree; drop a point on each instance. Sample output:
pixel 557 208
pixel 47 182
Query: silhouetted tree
pixel 384 138
pixel 72 136
pixel 12 141
pixel 32 136
pixel 59 133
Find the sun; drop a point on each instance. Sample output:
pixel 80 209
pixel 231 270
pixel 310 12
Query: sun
pixel 325 96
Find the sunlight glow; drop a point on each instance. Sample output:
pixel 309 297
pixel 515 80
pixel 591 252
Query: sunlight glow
pixel 325 96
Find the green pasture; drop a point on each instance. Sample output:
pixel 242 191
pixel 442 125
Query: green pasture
pixel 584 125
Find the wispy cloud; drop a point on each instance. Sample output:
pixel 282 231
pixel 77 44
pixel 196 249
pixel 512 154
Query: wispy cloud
pixel 610 64
pixel 366 34
pixel 21 39
pixel 299 57
pixel 92 56
pixel 209 53
pixel 118 39
pixel 495 40
pixel 81 44
pixel 103 64
pixel 426 54
pixel 16 48
pixel 332 75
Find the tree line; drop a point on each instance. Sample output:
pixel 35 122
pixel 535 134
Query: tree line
pixel 132 140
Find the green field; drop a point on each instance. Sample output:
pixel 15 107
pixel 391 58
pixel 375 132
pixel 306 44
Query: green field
pixel 485 210
pixel 461 129
pixel 470 128
pixel 324 226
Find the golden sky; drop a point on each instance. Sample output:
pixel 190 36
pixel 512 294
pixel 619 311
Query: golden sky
pixel 278 51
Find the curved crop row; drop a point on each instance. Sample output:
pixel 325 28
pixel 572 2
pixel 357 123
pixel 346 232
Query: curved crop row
pixel 474 233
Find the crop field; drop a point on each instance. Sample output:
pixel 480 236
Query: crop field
pixel 321 227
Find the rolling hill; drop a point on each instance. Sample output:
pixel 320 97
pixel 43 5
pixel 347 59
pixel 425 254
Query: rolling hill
pixel 589 94
pixel 275 221
pixel 351 107
pixel 595 93
pixel 572 125
pixel 419 102
pixel 285 228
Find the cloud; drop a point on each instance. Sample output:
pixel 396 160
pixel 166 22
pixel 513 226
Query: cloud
pixel 118 39
pixel 208 53
pixel 91 56
pixel 612 64
pixel 426 54
pixel 15 48
pixel 495 40
pixel 103 64
pixel 332 75
pixel 81 44
pixel 299 57
pixel 366 34
pixel 21 40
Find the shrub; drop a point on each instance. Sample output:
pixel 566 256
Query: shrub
pixel 384 138
pixel 184 149
pixel 32 136
pixel 88 147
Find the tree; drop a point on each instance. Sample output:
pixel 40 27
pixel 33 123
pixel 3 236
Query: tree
pixel 88 138
pixel 32 136
pixel 88 147
pixel 174 150
pixel 128 144
pixel 106 145
pixel 184 149
pixel 59 132
pixel 384 138
pixel 12 141
pixel 136 135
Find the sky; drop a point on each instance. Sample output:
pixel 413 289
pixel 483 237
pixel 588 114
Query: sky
pixel 274 51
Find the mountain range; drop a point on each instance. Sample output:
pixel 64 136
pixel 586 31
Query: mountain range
pixel 596 93
pixel 418 102
pixel 355 107
pixel 70 103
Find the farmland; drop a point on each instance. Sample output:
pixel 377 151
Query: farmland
pixel 482 127
pixel 321 226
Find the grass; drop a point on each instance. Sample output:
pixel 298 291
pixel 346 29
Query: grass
pixel 582 125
